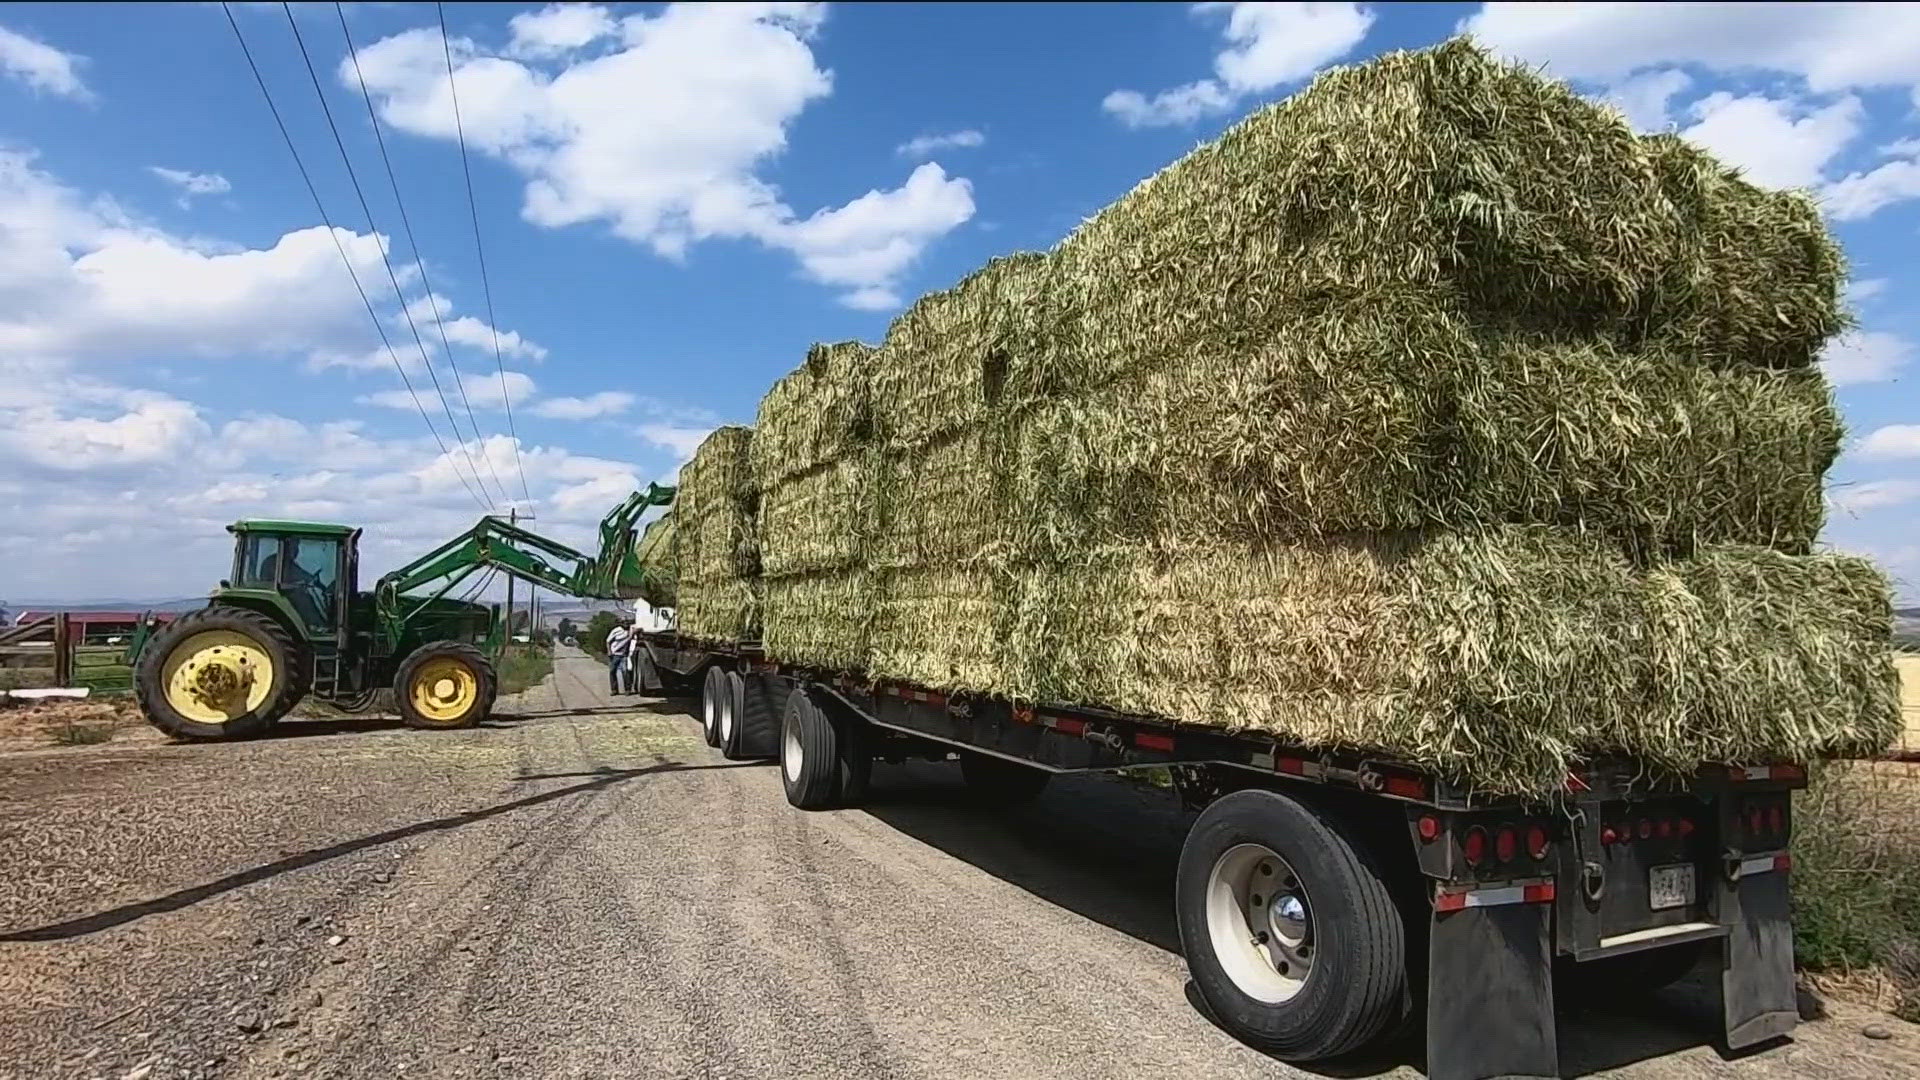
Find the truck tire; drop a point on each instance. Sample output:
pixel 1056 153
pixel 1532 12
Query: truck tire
pixel 200 677
pixel 444 685
pixel 710 707
pixel 809 754
pixel 733 727
pixel 995 782
pixel 1289 928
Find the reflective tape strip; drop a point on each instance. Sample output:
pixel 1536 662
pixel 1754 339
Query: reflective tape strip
pixel 1537 893
pixel 1065 725
pixel 1147 741
pixel 1763 864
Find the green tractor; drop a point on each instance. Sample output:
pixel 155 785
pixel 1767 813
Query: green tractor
pixel 291 621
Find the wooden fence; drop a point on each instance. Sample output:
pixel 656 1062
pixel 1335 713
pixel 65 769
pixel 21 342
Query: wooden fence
pixel 51 652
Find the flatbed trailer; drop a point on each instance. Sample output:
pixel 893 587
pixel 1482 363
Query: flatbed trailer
pixel 1408 896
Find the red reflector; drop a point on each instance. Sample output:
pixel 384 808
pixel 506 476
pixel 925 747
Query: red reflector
pixel 1429 828
pixel 1474 845
pixel 1154 742
pixel 1290 765
pixel 1783 862
pixel 1754 821
pixel 1646 828
pixel 1609 835
pixel 1537 842
pixel 1069 727
pixel 1776 820
pixel 1540 893
pixel 1450 901
pixel 1665 828
pixel 1406 787
pixel 1686 826
pixel 1505 844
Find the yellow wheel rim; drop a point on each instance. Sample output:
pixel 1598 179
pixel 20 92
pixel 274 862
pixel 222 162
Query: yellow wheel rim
pixel 444 689
pixel 216 676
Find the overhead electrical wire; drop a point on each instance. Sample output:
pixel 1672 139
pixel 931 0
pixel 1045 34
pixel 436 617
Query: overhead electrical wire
pixel 413 244
pixel 399 294
pixel 473 210
pixel 345 259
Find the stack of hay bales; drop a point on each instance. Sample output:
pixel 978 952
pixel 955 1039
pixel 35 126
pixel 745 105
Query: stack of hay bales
pixel 658 568
pixel 716 548
pixel 811 463
pixel 1430 412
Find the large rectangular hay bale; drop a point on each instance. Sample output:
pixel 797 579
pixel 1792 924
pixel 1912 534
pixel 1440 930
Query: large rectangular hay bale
pixel 822 619
pixel 941 627
pixel 812 521
pixel 717 547
pixel 939 502
pixel 1500 658
pixel 819 412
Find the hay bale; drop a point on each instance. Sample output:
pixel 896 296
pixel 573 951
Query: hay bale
pixel 818 413
pixel 821 619
pixel 716 543
pixel 1481 188
pixel 945 360
pixel 1499 658
pixel 655 555
pixel 940 626
pixel 811 521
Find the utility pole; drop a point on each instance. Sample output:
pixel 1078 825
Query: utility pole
pixel 506 640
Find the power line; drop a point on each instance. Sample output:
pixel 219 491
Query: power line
pixel 345 259
pixel 419 260
pixel 399 294
pixel 473 210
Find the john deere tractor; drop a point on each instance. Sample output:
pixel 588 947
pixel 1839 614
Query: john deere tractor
pixel 291 621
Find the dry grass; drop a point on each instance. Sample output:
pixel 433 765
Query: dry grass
pixel 30 725
pixel 1856 881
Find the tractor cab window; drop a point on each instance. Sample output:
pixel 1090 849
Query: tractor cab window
pixel 258 563
pixel 310 578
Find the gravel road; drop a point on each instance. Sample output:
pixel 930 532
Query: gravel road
pixel 580 888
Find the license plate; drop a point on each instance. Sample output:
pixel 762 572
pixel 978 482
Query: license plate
pixel 1670 886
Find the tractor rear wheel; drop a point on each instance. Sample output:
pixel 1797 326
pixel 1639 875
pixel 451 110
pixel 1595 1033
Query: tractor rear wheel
pixel 445 684
pixel 220 673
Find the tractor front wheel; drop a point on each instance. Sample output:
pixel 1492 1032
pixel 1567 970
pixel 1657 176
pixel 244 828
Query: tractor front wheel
pixel 220 673
pixel 444 684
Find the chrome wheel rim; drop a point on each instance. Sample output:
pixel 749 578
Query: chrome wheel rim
pixel 1260 923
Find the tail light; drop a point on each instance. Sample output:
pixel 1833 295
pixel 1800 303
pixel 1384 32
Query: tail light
pixel 1537 842
pixel 1777 821
pixel 1686 827
pixel 1665 828
pixel 1506 844
pixel 1429 828
pixel 1756 821
pixel 1473 846
pixel 1609 835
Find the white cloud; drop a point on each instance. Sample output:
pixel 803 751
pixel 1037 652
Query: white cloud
pixel 1874 495
pixel 559 29
pixel 1267 45
pixel 1861 290
pixel 1834 47
pixel 664 138
pixel 604 403
pixel 481 390
pixel 680 439
pixel 153 430
pixel 1775 143
pixel 192 183
pixel 1646 98
pixel 923 146
pixel 41 67
pixel 1891 441
pixel 1860 194
pixel 1864 356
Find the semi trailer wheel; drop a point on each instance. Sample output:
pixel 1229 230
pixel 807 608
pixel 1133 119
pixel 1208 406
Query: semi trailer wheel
pixel 445 684
pixel 809 754
pixel 1001 783
pixel 1290 933
pixel 733 705
pixel 710 695
pixel 220 673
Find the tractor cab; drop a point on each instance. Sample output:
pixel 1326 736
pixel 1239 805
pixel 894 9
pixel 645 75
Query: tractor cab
pixel 307 569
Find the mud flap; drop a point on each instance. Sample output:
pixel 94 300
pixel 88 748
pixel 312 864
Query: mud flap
pixel 761 708
pixel 1490 994
pixel 1756 984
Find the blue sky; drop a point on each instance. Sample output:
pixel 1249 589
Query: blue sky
pixel 675 201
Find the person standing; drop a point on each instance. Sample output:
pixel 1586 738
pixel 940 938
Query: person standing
pixel 635 647
pixel 619 640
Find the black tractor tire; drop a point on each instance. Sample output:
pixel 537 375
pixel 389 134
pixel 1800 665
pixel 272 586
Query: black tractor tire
pixel 486 688
pixel 809 755
pixel 292 668
pixel 733 716
pixel 1354 993
pixel 710 701
pixel 993 781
